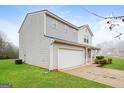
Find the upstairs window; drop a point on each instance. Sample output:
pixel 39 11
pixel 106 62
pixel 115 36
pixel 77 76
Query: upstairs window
pixel 86 39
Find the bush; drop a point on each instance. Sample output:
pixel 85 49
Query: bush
pixel 4 57
pixel 96 61
pixel 109 61
pixel 100 57
pixel 102 61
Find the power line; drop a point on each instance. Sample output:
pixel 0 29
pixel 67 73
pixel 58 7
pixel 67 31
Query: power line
pixel 93 13
pixel 113 17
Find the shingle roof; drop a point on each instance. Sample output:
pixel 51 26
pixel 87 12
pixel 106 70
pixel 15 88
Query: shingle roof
pixel 57 40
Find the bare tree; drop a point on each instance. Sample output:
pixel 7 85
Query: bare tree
pixel 110 21
pixel 2 44
pixel 7 49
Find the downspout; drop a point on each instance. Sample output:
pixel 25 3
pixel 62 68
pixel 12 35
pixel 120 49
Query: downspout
pixel 51 67
pixel 86 55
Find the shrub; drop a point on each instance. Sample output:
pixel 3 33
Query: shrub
pixel 109 61
pixel 96 61
pixel 100 57
pixel 4 57
pixel 102 61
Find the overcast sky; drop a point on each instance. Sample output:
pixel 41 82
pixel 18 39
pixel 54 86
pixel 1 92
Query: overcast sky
pixel 11 18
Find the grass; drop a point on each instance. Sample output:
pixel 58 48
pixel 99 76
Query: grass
pixel 117 63
pixel 28 76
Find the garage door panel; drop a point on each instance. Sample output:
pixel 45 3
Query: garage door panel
pixel 70 58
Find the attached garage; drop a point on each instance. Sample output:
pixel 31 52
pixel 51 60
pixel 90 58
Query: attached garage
pixel 70 58
pixel 67 55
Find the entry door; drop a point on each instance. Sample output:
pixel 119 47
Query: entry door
pixel 70 58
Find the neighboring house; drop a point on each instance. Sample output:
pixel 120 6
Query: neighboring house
pixel 48 41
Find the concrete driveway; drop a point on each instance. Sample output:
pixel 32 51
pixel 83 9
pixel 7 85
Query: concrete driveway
pixel 114 78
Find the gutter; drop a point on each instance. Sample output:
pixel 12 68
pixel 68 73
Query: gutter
pixel 62 41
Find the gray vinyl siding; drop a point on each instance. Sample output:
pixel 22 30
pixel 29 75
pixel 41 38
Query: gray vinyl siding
pixel 32 42
pixel 70 34
pixel 81 33
pixel 38 48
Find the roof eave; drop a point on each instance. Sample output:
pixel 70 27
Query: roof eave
pixel 56 40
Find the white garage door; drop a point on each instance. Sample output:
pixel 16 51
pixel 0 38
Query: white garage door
pixel 70 58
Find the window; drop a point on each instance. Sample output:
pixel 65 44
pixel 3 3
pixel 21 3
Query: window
pixel 86 39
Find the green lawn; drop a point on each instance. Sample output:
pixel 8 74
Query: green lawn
pixel 27 76
pixel 117 63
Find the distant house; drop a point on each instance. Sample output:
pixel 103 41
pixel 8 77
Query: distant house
pixel 48 41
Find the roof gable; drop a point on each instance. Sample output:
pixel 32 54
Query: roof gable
pixel 55 17
pixel 87 26
pixel 58 18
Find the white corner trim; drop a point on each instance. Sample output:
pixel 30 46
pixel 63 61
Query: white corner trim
pixel 51 57
pixel 44 23
pixel 86 58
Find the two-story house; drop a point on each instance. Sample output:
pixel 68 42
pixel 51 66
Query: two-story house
pixel 48 41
